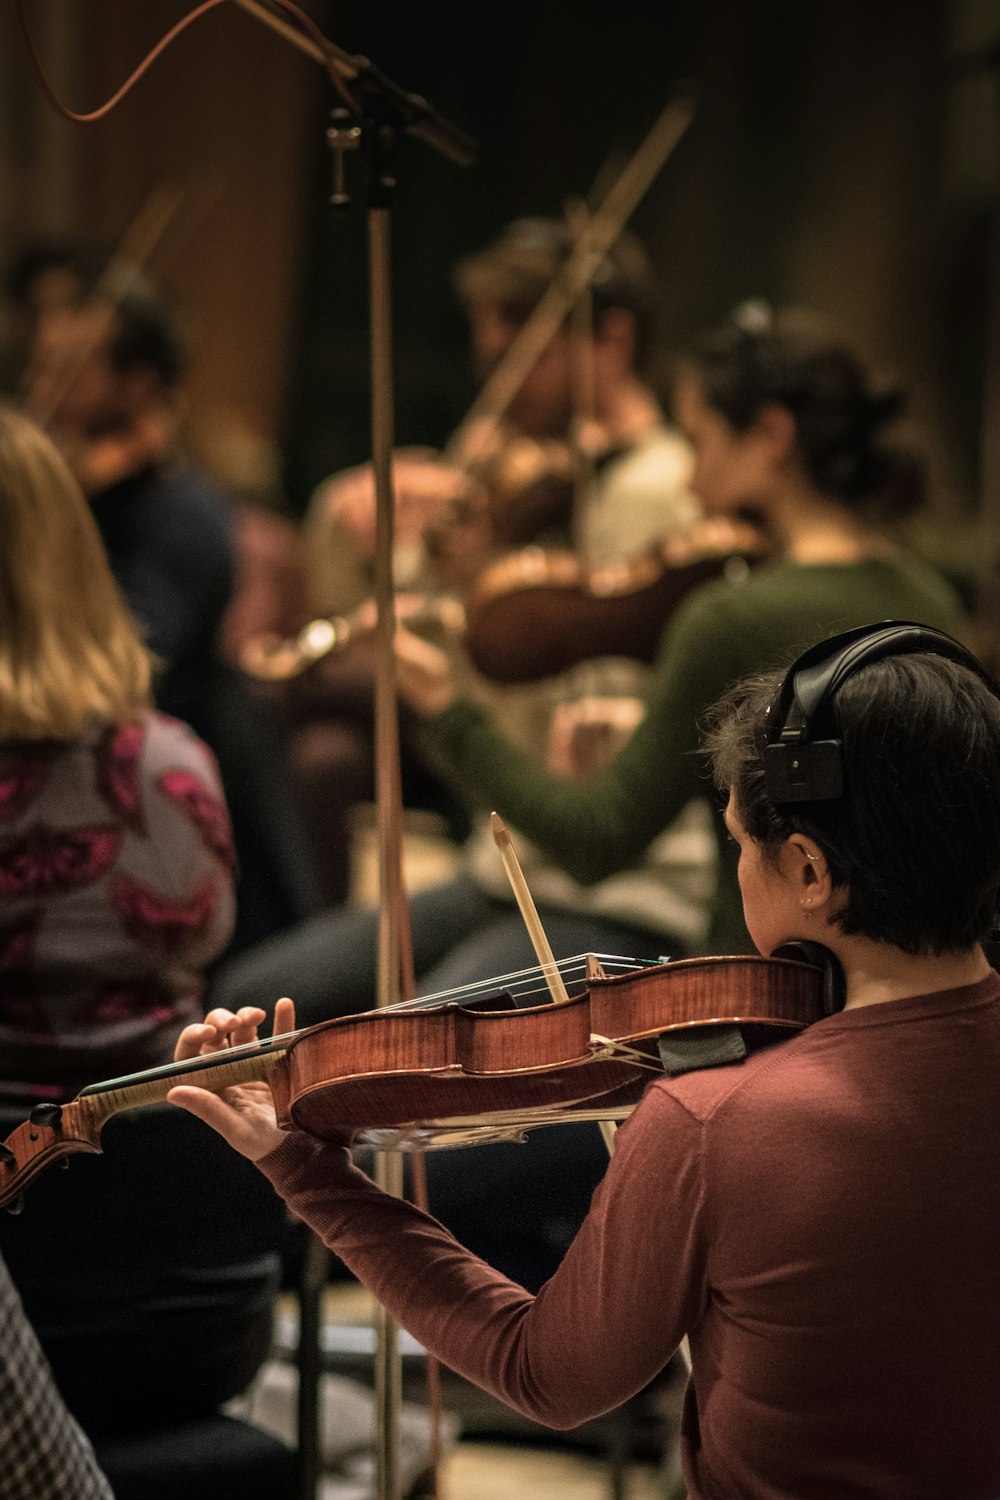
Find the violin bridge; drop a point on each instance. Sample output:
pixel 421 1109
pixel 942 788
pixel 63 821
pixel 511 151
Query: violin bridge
pixel 595 969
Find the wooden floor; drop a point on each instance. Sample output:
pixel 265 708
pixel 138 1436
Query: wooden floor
pixel 474 1468
pixel 478 1471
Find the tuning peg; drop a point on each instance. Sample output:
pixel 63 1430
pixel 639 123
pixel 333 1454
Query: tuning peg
pixel 46 1114
pixel 6 1155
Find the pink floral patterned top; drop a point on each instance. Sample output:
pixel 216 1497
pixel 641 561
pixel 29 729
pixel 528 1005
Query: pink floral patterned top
pixel 116 889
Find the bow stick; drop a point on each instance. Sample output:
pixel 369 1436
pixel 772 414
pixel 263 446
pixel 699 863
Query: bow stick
pixel 594 242
pixel 119 276
pixel 550 970
pixel 536 932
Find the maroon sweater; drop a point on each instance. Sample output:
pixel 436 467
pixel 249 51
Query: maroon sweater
pixel 822 1220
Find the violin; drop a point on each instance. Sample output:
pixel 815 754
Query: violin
pixel 454 1069
pixel 535 612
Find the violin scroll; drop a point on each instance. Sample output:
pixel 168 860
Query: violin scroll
pixel 35 1145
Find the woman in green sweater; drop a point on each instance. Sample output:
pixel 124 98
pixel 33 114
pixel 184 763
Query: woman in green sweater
pixel 786 422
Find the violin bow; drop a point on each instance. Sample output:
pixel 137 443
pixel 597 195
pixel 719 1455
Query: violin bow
pixel 135 249
pixel 602 229
pixel 533 922
pixel 577 217
pixel 554 979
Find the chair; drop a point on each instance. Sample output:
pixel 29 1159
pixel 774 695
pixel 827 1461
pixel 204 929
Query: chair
pixel 214 1459
pixel 149 1275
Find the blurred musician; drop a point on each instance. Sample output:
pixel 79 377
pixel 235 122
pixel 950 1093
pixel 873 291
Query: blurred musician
pixel 596 469
pixel 584 405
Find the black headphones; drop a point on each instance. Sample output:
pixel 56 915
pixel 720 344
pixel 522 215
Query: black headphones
pixel 799 768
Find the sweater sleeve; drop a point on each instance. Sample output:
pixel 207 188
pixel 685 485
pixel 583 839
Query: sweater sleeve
pixel 593 829
pixel 43 1453
pixel 630 1286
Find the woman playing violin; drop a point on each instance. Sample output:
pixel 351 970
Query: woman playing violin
pixel 821 1219
pixel 784 418
pixel 786 421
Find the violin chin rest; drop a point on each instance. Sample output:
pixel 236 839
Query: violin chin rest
pixel 834 986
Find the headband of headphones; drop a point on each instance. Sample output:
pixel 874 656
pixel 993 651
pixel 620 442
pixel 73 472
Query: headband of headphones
pixel 799 768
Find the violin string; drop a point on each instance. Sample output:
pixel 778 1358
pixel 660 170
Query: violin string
pixel 528 982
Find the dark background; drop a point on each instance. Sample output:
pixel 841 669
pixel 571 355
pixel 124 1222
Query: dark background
pixel 840 158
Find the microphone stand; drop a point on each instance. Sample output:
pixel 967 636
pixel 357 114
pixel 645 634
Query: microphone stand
pixel 379 112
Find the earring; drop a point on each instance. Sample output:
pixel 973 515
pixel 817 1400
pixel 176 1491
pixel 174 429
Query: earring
pixel 814 856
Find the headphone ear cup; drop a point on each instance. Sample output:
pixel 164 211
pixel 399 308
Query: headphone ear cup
pixel 798 768
pixel 810 772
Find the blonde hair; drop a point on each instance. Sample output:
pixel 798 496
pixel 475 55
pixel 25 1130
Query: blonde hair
pixel 70 653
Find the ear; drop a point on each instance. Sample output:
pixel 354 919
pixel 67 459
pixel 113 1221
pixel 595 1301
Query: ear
pixel 804 863
pixel 774 427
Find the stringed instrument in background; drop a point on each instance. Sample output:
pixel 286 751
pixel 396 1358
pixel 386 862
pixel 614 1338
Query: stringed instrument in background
pixel 534 613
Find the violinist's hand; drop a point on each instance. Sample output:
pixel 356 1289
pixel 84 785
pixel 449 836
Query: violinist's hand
pixel 423 675
pixel 585 737
pixel 243 1114
pixel 422 489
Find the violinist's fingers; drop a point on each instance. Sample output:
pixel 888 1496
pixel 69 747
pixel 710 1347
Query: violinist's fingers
pixel 284 1016
pixel 562 734
pixel 245 1024
pixel 232 1026
pixel 366 615
pixel 409 604
pixel 251 1129
pixel 192 1039
pixel 423 674
pixel 220 1028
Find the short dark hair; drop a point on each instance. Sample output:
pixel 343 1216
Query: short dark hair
pixel 84 259
pixel 517 268
pixel 145 330
pixel 849 434
pixel 914 842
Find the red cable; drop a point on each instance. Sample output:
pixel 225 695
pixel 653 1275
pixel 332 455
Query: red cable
pixel 304 22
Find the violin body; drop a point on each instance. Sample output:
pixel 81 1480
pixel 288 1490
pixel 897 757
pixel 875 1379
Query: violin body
pixel 536 613
pixel 458 1068
pixel 446 1073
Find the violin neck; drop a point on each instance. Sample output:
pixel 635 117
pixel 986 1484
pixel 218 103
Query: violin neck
pixel 217 1072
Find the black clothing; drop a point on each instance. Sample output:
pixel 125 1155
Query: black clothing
pixel 169 538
